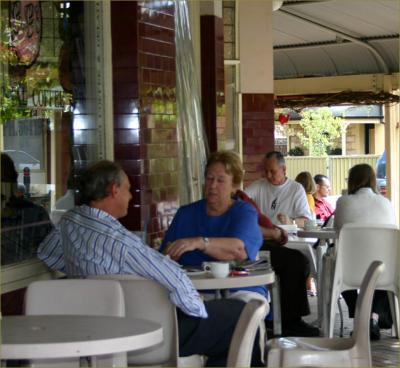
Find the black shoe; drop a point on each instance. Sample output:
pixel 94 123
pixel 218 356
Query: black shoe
pixel 299 328
pixel 374 332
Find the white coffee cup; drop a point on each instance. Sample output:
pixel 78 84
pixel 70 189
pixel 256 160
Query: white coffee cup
pixel 310 224
pixel 219 270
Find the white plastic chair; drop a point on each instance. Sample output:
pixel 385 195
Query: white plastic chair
pixel 241 348
pixel 357 247
pixel 332 352
pixel 148 299
pixel 77 297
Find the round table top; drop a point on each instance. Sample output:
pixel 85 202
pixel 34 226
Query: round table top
pixel 320 233
pixel 206 281
pixel 48 336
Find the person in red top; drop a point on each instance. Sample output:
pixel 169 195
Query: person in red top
pixel 323 209
pixel 293 268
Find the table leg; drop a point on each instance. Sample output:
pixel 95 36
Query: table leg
pixel 276 306
pixel 321 249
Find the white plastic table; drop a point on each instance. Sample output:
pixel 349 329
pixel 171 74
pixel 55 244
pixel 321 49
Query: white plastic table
pixel 206 281
pixel 48 337
pixel 320 233
pixel 323 234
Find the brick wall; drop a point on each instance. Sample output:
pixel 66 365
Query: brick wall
pixel 143 39
pixel 258 132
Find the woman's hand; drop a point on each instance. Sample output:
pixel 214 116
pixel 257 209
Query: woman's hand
pixel 180 246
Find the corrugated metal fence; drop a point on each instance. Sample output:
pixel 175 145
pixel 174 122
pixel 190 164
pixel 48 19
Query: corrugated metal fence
pixel 335 167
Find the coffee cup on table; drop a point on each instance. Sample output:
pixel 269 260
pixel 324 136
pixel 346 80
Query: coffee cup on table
pixel 310 224
pixel 219 270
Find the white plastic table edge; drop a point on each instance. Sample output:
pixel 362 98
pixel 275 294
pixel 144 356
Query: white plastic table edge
pixel 255 278
pixel 152 336
pixel 318 233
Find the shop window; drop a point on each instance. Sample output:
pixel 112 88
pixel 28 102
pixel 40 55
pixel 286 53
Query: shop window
pixel 51 115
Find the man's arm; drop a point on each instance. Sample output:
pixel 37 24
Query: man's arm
pixel 271 234
pixel 50 251
pixel 148 263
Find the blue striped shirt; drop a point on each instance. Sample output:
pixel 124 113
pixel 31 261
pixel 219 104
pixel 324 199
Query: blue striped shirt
pixel 89 241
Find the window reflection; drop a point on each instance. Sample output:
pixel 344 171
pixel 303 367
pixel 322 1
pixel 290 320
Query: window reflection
pixel 48 115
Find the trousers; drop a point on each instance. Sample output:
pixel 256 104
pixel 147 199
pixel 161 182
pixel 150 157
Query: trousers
pixel 212 336
pixel 293 268
pixel 380 306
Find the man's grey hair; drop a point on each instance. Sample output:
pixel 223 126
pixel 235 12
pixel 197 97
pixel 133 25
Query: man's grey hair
pixel 277 155
pixel 96 181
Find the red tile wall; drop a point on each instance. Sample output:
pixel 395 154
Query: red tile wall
pixel 258 132
pixel 143 37
pixel 212 78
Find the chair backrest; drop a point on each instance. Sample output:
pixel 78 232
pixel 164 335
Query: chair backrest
pixel 361 244
pixel 363 312
pixel 241 348
pixel 148 299
pixel 75 296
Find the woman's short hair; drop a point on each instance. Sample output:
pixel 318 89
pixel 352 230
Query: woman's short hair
pixel 307 181
pixel 232 163
pixel 361 176
pixel 95 182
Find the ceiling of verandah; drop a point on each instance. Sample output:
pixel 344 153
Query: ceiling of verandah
pixel 336 37
pixel 330 38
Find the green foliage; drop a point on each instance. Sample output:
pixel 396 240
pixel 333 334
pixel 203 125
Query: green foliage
pixel 334 151
pixel 11 106
pixel 320 128
pixel 296 151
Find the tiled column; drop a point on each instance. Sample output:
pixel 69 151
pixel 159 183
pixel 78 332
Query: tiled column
pixel 256 73
pixel 212 70
pixel 143 40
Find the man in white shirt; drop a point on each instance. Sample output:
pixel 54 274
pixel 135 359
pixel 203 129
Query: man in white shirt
pixel 284 200
pixel 280 198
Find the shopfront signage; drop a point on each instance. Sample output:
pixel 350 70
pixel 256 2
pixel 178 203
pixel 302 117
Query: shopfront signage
pixel 26 29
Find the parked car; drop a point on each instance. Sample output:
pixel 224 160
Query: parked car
pixel 381 174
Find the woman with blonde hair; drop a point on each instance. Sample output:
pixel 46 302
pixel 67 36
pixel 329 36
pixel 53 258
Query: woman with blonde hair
pixel 307 181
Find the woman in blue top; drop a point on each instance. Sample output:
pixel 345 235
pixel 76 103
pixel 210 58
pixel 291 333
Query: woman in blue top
pixel 217 227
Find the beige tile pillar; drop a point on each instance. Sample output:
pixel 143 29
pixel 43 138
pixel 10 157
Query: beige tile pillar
pixel 256 83
pixel 392 146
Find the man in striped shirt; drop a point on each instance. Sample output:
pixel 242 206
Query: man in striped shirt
pixel 89 240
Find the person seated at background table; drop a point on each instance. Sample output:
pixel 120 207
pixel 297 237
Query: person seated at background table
pixel 363 204
pixel 283 200
pixel 89 240
pixel 280 198
pixel 307 182
pixel 218 227
pixel 323 209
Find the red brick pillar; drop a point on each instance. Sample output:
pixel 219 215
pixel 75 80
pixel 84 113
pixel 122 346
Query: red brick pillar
pixel 212 76
pixel 258 132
